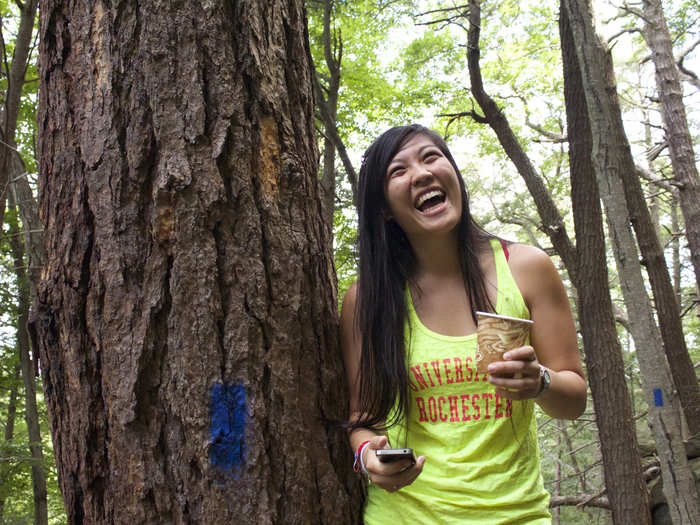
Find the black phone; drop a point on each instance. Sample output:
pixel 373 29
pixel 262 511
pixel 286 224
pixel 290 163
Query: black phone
pixel 387 455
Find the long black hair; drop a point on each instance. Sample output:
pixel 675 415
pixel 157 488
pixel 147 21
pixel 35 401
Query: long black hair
pixel 387 264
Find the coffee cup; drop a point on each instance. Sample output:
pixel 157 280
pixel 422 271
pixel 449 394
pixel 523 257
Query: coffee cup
pixel 496 334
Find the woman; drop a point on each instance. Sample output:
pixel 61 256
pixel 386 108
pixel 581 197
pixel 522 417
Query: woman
pixel 408 338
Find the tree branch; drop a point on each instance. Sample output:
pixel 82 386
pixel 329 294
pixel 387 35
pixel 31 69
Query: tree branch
pixel 654 152
pixel 553 137
pixel 688 75
pixel 633 11
pixel 689 50
pixel 647 175
pixel 622 32
pixel 600 502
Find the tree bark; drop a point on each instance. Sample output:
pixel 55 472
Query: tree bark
pixel 680 144
pixel 611 156
pixel 186 316
pixel 15 81
pixel 627 494
pixel 31 413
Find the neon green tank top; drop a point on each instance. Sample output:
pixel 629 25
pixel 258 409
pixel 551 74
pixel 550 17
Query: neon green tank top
pixel 482 462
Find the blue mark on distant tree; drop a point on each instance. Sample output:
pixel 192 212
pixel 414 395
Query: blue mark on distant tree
pixel 228 414
pixel 658 398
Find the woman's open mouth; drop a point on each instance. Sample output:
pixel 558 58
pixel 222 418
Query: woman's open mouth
pixel 430 201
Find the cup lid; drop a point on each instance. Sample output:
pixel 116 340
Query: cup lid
pixel 508 318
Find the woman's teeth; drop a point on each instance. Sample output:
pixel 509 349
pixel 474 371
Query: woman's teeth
pixel 424 199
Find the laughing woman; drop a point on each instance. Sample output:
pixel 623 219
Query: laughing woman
pixel 409 341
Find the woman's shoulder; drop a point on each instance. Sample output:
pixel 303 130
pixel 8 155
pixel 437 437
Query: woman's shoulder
pixel 527 257
pixel 347 310
pixel 533 269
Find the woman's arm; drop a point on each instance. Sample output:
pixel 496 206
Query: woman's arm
pixel 389 476
pixel 552 338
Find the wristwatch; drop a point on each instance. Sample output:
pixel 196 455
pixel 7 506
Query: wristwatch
pixel 545 380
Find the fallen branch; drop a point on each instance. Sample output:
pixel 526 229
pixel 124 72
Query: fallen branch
pixel 601 502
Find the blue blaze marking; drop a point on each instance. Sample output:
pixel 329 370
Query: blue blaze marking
pixel 228 415
pixel 658 398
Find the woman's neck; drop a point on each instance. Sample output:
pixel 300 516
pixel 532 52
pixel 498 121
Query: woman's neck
pixel 437 257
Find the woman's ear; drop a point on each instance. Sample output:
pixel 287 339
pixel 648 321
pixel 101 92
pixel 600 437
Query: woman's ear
pixel 387 214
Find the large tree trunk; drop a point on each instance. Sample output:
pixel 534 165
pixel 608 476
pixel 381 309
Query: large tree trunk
pixel 187 313
pixel 618 442
pixel 611 156
pixel 31 413
pixel 680 143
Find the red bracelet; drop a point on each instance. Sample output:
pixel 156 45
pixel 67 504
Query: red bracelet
pixel 358 457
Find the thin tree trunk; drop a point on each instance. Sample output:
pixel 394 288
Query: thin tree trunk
pixel 611 156
pixel 328 182
pixel 31 413
pixel 331 130
pixel 552 223
pixel 676 250
pixel 646 225
pixel 9 435
pixel 557 473
pixel 327 102
pixel 667 310
pixel 654 199
pixel 32 229
pixel 625 485
pixel 15 81
pixel 331 107
pixel 186 318
pixel 680 143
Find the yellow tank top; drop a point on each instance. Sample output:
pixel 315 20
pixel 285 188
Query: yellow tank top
pixel 482 461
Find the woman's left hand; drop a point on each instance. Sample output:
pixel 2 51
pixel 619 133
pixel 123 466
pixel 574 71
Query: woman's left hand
pixel 518 375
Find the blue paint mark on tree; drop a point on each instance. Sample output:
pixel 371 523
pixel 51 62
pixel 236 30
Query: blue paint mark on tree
pixel 228 414
pixel 658 398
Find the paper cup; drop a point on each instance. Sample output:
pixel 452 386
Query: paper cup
pixel 496 334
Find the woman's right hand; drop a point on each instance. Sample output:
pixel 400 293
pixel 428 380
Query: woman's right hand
pixel 391 476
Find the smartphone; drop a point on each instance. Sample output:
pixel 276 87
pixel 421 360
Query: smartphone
pixel 387 455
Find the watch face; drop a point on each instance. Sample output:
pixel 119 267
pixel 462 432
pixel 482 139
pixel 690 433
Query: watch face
pixel 546 380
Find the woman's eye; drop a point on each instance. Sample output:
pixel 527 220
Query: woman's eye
pixel 432 155
pixel 399 170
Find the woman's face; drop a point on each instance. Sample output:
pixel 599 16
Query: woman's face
pixel 422 191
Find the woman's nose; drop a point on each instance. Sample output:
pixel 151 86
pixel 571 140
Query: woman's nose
pixel 422 176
